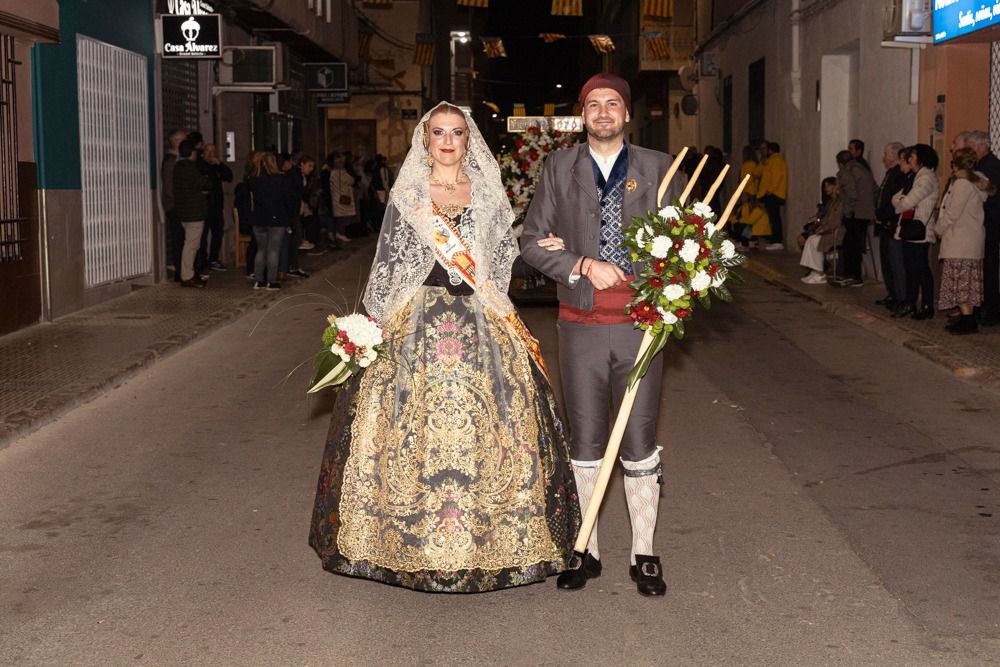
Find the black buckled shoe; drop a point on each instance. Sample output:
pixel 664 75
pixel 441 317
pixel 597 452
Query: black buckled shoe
pixel 582 566
pixel 648 576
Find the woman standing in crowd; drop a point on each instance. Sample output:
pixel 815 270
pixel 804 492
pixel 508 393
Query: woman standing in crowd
pixel 753 218
pixel 915 208
pixel 343 202
pixel 822 237
pixel 274 205
pixel 963 237
pixel 447 466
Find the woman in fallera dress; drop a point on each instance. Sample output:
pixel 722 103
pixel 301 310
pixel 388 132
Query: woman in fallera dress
pixel 446 467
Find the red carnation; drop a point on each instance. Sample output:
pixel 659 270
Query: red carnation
pixel 695 220
pixel 533 155
pixel 683 314
pixel 518 143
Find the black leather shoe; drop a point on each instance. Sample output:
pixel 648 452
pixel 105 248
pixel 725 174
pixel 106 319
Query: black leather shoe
pixel 885 301
pixel 582 566
pixel 904 311
pixel 924 314
pixel 648 576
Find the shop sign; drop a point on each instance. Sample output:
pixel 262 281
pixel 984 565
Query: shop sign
pixel 191 36
pixel 189 7
pixel 329 98
pixel 554 123
pixel 954 18
pixel 326 76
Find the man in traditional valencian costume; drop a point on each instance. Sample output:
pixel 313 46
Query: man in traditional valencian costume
pixel 573 234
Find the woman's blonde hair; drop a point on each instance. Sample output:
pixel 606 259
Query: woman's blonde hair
pixel 964 162
pixel 264 163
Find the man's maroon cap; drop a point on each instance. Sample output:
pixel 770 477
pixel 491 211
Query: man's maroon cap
pixel 607 80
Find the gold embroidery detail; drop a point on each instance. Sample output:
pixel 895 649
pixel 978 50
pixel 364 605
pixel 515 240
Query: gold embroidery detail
pixel 442 475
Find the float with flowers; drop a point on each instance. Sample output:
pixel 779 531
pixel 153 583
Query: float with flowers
pixel 521 168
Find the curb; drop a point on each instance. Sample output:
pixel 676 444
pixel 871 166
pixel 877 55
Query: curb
pixel 987 377
pixel 56 404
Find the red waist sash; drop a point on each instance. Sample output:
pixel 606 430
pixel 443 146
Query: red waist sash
pixel 609 306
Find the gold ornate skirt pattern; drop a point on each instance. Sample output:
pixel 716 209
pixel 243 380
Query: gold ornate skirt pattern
pixel 447 467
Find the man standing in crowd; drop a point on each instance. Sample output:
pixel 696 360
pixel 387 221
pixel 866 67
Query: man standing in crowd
pixel 856 148
pixel 573 233
pixel 989 164
pixel 174 233
pixel 857 199
pixel 191 188
pixel 890 249
pixel 773 190
pixel 218 173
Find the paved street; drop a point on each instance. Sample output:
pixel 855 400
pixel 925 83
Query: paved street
pixel 832 498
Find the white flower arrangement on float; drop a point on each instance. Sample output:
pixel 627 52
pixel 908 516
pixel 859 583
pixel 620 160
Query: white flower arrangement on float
pixel 521 168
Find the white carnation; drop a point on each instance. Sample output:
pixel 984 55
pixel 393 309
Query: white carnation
pixel 702 209
pixel 728 249
pixel 709 229
pixel 689 251
pixel 701 281
pixel 670 213
pixel 364 362
pixel 673 292
pixel 360 330
pixel 668 318
pixel 661 246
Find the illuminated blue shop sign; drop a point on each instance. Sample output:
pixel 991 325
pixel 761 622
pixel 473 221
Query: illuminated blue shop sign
pixel 954 18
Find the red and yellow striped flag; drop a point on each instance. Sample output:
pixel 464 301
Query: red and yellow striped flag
pixel 423 54
pixel 474 3
pixel 663 9
pixel 567 7
pixel 659 47
pixel 602 43
pixel 519 109
pixel 549 37
pixel 550 109
pixel 493 47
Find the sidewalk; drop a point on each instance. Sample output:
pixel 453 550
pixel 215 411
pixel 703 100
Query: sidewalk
pixel 975 358
pixel 49 368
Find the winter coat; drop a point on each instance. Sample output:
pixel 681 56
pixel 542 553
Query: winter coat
pixel 342 194
pixel 190 191
pixel 774 177
pixel 960 221
pixel 275 203
pixel 920 199
pixel 858 191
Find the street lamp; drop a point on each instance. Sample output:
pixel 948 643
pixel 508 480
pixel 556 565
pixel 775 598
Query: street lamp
pixel 461 37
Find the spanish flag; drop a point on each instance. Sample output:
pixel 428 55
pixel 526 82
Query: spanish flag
pixel 663 9
pixel 519 109
pixel 423 54
pixel 602 43
pixel 567 7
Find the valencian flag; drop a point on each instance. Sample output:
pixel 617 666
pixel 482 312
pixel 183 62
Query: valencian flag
pixel 519 109
pixel 493 47
pixel 602 43
pixel 550 109
pixel 423 54
pixel 567 7
pixel 659 48
pixel 365 32
pixel 473 3
pixel 549 37
pixel 663 9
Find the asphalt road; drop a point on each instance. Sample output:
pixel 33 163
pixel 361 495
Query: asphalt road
pixel 831 499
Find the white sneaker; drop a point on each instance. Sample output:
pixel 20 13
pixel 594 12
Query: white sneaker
pixel 342 238
pixel 774 246
pixel 306 245
pixel 814 279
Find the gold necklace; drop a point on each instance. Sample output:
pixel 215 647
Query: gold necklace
pixel 449 187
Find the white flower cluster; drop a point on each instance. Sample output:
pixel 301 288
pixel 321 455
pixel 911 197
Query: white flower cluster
pixel 521 183
pixel 362 333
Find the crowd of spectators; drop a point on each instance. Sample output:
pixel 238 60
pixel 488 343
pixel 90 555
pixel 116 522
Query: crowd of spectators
pixel 282 202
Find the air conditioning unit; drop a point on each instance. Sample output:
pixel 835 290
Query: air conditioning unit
pixel 250 66
pixel 907 18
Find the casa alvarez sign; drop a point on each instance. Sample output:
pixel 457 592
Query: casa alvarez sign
pixel 191 36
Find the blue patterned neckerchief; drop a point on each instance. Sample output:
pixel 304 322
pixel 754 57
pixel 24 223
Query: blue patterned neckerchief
pixel 611 193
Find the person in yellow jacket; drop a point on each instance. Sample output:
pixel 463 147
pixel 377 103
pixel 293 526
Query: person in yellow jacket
pixel 752 216
pixel 773 190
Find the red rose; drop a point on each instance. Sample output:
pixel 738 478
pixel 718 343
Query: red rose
pixel 350 348
pixel 518 143
pixel 683 314
pixel 533 155
pixel 341 336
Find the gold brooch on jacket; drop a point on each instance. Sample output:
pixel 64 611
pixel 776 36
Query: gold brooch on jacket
pixel 630 185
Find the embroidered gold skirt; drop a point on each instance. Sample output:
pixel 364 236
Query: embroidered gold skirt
pixel 447 467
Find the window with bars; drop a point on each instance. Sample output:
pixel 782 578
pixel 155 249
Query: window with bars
pixel 114 162
pixel 12 237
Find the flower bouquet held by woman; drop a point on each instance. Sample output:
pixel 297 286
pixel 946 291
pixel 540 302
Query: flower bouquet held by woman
pixel 446 467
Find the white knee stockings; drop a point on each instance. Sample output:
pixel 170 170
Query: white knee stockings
pixel 585 473
pixel 642 490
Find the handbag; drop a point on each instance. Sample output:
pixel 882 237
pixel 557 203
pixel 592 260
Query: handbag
pixel 911 229
pixel 345 200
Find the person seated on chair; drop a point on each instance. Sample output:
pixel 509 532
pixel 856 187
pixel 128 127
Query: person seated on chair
pixel 821 238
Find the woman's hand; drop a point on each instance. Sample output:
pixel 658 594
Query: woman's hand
pixel 552 243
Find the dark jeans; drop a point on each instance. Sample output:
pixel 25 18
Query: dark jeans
pixel 211 237
pixel 895 275
pixel 855 230
pixel 919 279
pixel 991 270
pixel 268 253
pixel 772 204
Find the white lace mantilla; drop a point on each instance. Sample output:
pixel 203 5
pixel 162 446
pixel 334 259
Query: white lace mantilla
pixel 405 254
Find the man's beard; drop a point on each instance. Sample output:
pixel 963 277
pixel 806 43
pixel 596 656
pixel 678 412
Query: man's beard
pixel 606 133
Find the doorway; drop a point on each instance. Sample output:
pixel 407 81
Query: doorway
pixel 838 103
pixel 357 136
pixel 755 102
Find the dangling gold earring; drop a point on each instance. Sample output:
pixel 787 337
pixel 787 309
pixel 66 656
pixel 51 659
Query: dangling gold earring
pixel 430 160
